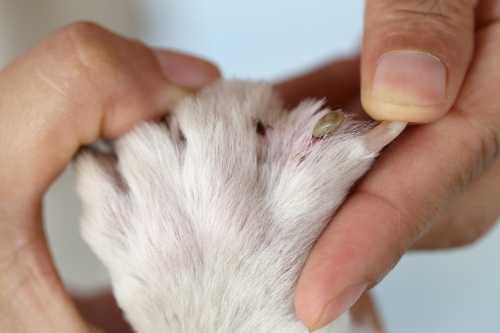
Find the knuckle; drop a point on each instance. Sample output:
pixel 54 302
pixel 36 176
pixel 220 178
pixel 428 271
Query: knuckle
pixel 87 47
pixel 485 146
pixel 475 232
pixel 93 69
pixel 442 10
pixel 397 220
pixel 431 23
pixel 81 27
pixel 457 231
pixel 489 144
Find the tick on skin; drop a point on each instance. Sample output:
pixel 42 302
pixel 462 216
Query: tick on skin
pixel 328 124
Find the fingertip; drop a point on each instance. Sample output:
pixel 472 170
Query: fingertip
pixel 186 70
pixel 185 74
pixel 308 308
pixel 316 315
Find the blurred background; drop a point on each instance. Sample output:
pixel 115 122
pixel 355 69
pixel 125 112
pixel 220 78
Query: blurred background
pixel 454 291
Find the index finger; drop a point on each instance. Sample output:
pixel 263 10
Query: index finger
pixel 82 83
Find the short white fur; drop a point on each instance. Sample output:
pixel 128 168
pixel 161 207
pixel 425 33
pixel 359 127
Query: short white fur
pixel 205 224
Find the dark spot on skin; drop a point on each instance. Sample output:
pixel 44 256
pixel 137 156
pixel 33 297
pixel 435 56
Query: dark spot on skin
pixel 182 137
pixel 261 128
pixel 174 129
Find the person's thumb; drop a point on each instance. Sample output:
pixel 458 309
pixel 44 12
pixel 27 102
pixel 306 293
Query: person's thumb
pixel 415 56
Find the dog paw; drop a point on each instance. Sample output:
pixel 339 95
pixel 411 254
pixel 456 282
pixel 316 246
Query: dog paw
pixel 204 219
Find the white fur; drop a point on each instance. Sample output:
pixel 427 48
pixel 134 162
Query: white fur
pixel 204 224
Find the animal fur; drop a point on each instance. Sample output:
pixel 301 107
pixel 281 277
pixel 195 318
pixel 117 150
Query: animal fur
pixel 205 219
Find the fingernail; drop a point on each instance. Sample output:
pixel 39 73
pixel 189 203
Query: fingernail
pixel 410 78
pixel 186 71
pixel 339 304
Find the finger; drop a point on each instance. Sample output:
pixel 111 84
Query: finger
pixel 415 56
pixel 477 210
pixel 469 217
pixel 337 81
pixel 82 83
pixel 409 188
pixel 32 297
pixel 382 218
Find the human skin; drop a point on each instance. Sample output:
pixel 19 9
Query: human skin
pixel 435 187
pixel 438 185
pixel 81 84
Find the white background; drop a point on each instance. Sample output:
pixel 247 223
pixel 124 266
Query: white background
pixel 455 291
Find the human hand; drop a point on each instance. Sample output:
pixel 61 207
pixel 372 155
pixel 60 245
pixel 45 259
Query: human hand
pixel 81 84
pixel 438 185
